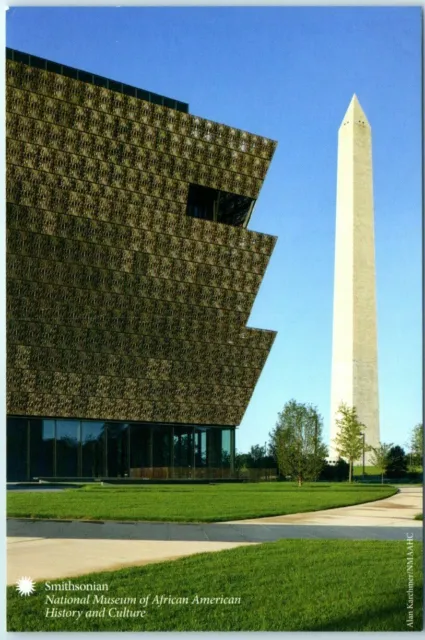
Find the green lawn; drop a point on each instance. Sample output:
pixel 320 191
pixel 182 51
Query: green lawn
pixel 369 470
pixel 289 585
pixel 374 471
pixel 196 503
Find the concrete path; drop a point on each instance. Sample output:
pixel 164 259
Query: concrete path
pixel 57 549
pixel 399 510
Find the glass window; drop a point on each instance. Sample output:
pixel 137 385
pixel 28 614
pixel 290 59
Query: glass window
pixel 161 446
pixel 17 449
pixel 118 449
pixel 42 448
pixel 182 106
pixel 67 448
pixel 156 98
pixel 200 447
pixel 52 66
pixel 140 446
pixel 201 202
pixel 142 94
pixel 93 449
pixel 40 63
pixel 226 448
pixel 234 209
pixel 84 76
pixel 129 90
pixel 183 447
pixel 168 102
pixel 22 57
pixel 115 86
pixel 214 447
pixel 69 72
pixel 100 81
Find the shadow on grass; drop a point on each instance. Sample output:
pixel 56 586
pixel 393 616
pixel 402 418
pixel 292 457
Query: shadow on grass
pixel 382 616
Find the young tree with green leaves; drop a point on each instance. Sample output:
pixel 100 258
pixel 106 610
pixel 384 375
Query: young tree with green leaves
pixel 417 445
pixel 350 440
pixel 379 458
pixel 297 440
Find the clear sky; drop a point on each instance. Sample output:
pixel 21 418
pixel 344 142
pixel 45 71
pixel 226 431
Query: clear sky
pixel 288 74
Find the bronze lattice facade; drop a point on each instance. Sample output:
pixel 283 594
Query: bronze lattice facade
pixel 130 271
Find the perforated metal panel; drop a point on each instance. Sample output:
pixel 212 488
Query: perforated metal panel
pixel 119 305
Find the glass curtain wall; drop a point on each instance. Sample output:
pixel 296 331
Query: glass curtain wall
pixel 42 445
pixel 17 448
pixel 118 450
pixel 183 450
pixel 201 459
pixel 46 448
pixel 93 449
pixel 67 448
pixel 141 451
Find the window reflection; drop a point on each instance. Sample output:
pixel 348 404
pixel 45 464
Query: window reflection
pixel 200 447
pixel 161 446
pixel 183 447
pixel 214 447
pixel 140 448
pixel 118 459
pixel 42 448
pixel 17 449
pixel 93 449
pixel 38 448
pixel 67 448
pixel 226 448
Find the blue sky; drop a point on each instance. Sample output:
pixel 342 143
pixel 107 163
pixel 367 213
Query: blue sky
pixel 288 74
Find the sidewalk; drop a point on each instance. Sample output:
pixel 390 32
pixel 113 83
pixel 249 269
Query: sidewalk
pixel 397 511
pixel 47 550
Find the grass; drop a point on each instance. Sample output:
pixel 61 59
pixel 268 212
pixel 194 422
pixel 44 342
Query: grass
pixel 369 471
pixel 197 503
pixel 375 471
pixel 289 585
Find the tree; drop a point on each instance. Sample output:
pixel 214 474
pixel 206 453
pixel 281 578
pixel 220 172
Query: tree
pixel 297 439
pixel 255 459
pixel 417 445
pixel 396 463
pixel 379 457
pixel 272 444
pixel 337 472
pixel 241 461
pixel 349 441
pixel 257 454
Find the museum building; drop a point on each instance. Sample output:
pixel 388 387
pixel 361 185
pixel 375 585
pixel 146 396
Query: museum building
pixel 131 275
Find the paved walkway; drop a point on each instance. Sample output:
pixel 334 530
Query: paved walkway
pixel 399 510
pixel 46 550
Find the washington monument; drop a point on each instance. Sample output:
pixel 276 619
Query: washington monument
pixel 354 344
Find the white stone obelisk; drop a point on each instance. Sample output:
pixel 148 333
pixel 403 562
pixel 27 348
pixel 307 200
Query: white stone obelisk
pixel 354 343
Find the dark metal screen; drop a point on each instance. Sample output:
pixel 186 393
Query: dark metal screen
pixel 119 305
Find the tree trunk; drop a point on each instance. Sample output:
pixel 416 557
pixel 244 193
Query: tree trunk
pixel 300 481
pixel 350 467
pixel 382 478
